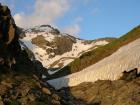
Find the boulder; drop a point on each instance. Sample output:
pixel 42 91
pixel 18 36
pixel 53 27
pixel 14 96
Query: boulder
pixel 56 97
pixel 46 91
pixel 130 75
pixel 55 102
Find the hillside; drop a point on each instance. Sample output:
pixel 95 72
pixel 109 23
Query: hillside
pixel 124 91
pixel 127 57
pixel 55 49
pixel 95 55
pixel 20 77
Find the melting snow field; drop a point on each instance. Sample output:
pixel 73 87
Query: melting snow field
pixel 43 56
pixel 110 68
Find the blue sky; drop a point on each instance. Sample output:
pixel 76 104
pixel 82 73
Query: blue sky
pixel 87 19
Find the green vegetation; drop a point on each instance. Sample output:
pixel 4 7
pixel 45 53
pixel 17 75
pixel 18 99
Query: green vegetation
pixel 38 103
pixel 57 62
pixel 108 39
pixel 13 103
pixel 98 54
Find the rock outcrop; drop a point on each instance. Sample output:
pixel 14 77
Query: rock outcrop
pixel 20 78
pixel 9 45
pixel 125 91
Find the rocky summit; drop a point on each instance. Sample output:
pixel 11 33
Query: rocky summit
pixel 56 49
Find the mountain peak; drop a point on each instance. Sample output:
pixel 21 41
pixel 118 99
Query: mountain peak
pixel 55 49
pixel 43 29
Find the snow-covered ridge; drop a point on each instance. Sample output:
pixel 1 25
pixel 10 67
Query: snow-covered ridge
pixel 50 34
pixel 42 28
pixel 110 68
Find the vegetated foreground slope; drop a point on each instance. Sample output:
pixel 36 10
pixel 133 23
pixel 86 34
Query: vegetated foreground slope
pixel 95 55
pixel 110 68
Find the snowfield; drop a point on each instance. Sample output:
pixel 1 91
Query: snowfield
pixel 110 68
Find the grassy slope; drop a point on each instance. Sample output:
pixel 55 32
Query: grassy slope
pixel 98 54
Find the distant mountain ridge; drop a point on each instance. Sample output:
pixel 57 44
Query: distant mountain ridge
pixel 55 49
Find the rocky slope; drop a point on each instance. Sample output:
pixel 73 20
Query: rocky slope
pixel 125 91
pixel 110 68
pixel 20 80
pixel 55 49
pixel 22 84
pixel 94 56
pixel 118 52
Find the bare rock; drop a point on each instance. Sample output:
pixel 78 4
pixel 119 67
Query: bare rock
pixel 56 97
pixel 46 91
pixel 9 85
pixel 55 102
pixel 1 102
pixel 129 75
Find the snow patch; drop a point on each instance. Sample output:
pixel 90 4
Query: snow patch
pixel 110 68
pixel 78 48
pixel 103 42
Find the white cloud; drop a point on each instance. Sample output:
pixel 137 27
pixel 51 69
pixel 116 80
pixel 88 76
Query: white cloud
pixel 78 20
pixel 45 12
pixel 3 2
pixel 11 3
pixel 74 28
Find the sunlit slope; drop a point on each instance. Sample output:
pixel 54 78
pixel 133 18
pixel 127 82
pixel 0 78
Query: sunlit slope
pixel 123 58
pixel 93 56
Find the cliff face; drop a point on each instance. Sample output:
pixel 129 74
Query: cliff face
pixel 9 45
pixel 20 78
pixel 20 82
